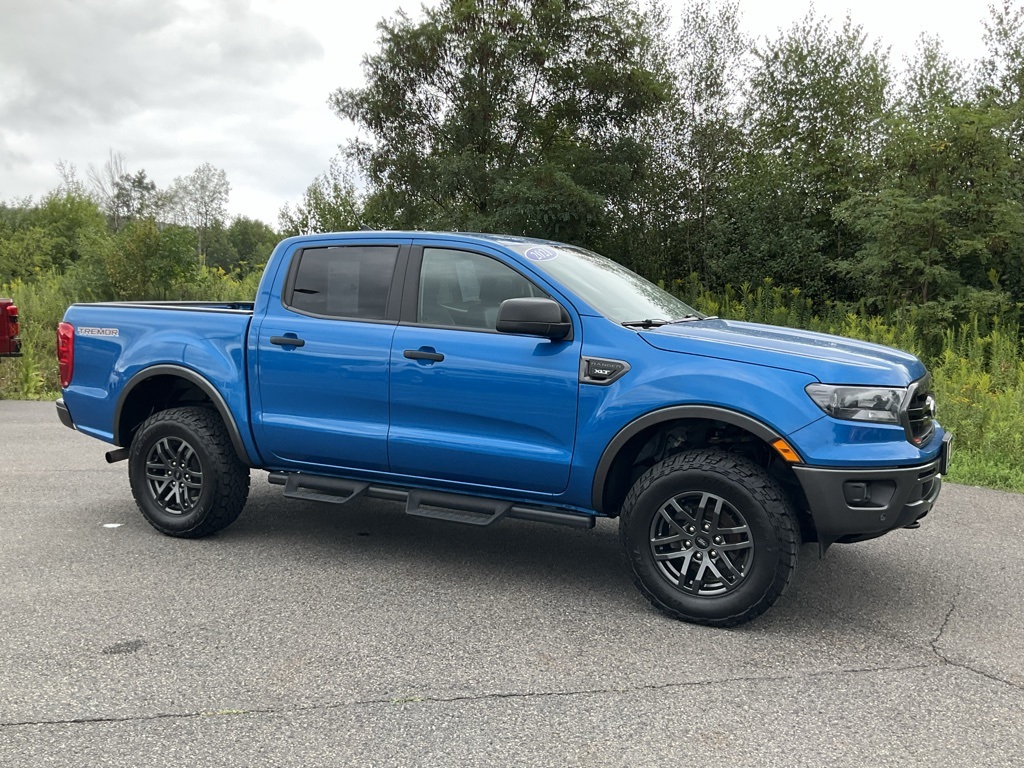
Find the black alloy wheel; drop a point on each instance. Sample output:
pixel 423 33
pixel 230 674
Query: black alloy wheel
pixel 701 544
pixel 174 475
pixel 710 536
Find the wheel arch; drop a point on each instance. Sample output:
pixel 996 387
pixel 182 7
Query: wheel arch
pixel 165 386
pixel 611 479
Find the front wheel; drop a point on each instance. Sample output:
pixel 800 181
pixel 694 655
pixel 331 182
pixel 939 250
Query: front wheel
pixel 711 538
pixel 184 472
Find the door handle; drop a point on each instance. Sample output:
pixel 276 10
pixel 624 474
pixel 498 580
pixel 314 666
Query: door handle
pixel 287 341
pixel 423 354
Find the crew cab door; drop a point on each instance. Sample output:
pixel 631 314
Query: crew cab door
pixel 322 356
pixel 469 404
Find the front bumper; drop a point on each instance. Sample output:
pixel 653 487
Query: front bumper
pixel 849 505
pixel 64 414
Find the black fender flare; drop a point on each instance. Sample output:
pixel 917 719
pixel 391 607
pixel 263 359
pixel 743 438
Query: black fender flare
pixel 199 381
pixel 672 413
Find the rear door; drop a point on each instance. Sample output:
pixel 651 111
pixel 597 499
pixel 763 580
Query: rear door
pixel 323 352
pixel 469 404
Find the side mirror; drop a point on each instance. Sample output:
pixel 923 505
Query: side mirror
pixel 533 317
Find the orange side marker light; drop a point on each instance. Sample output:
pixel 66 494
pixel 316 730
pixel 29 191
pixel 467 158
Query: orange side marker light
pixel 786 451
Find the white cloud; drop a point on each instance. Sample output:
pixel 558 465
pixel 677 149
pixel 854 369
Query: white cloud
pixel 243 84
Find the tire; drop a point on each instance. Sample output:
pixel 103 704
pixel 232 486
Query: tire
pixel 711 538
pixel 185 475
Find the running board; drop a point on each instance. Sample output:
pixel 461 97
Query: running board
pixel 326 489
pixel 456 508
pixel 452 507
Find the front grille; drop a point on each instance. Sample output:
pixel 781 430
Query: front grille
pixel 919 411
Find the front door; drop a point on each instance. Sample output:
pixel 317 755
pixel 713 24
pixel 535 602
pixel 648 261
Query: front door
pixel 469 404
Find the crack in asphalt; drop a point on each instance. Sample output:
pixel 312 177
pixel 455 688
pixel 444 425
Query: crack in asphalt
pixel 934 644
pixel 414 699
pixel 942 657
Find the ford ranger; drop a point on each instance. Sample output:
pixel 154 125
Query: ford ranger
pixel 479 377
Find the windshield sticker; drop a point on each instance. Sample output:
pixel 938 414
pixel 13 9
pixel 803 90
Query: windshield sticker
pixel 541 253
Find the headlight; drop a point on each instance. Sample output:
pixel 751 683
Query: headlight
pixel 877 404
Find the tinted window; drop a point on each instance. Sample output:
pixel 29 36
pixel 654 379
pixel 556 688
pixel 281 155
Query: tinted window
pixel 351 281
pixel 464 290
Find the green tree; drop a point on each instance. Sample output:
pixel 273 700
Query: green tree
pixel 946 224
pixel 698 141
pixel 511 116
pixel 123 196
pixel 145 261
pixel 53 234
pixel 26 251
pixel 815 117
pixel 244 244
pixel 199 201
pixel 135 197
pixel 1002 85
pixel 252 240
pixel 329 204
pixel 1002 69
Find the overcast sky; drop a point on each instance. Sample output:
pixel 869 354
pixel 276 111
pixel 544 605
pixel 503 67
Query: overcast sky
pixel 243 84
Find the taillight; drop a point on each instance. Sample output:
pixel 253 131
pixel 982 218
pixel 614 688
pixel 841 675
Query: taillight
pixel 66 352
pixel 12 320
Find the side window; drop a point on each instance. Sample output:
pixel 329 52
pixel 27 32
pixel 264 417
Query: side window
pixel 464 290
pixel 348 281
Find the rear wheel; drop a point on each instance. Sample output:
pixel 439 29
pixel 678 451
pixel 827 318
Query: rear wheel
pixel 711 538
pixel 185 475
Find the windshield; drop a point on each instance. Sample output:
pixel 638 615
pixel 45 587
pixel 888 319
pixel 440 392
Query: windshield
pixel 610 288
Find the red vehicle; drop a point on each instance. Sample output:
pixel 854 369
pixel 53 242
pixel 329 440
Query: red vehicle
pixel 10 344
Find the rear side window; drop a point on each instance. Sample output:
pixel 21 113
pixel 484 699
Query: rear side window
pixel 349 281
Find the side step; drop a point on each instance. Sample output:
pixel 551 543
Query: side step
pixel 453 507
pixel 326 489
pixel 456 508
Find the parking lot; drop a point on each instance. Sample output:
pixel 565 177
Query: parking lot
pixel 318 635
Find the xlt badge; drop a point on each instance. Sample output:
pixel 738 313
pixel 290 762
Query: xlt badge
pixel 598 370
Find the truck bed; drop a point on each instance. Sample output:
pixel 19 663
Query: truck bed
pixel 114 341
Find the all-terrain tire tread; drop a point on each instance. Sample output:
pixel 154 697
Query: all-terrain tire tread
pixel 232 475
pixel 759 484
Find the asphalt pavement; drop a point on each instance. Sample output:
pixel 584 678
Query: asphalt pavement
pixel 308 634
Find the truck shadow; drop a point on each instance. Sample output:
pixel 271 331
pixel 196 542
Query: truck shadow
pixel 881 585
pixel 380 536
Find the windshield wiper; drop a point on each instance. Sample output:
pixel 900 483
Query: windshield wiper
pixel 691 318
pixel 654 323
pixel 658 322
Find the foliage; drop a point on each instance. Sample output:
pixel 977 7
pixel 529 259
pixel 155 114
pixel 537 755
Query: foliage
pixel 199 201
pixel 144 261
pixel 505 116
pixel 330 204
pixel 242 246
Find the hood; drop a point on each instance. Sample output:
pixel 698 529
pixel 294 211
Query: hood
pixel 831 359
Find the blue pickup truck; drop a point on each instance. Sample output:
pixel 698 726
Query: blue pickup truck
pixel 476 377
